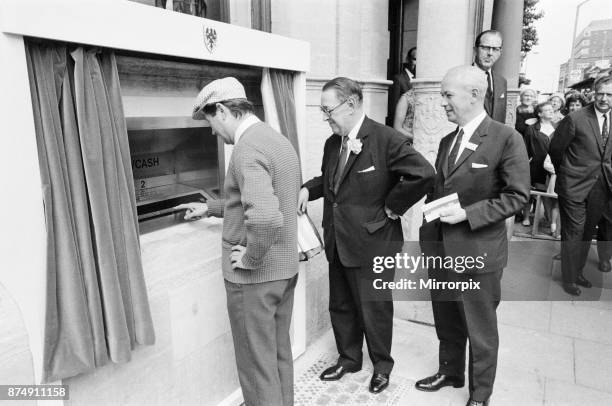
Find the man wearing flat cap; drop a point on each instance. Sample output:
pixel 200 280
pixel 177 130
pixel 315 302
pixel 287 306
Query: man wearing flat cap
pixel 259 257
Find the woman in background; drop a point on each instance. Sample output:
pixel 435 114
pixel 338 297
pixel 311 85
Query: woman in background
pixel 557 103
pixel 403 120
pixel 574 102
pixel 525 110
pixel 537 138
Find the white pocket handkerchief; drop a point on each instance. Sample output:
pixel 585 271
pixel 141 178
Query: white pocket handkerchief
pixel 370 169
pixel 503 95
pixel 478 166
pixel 471 146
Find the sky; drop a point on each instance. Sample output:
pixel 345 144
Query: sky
pixel 555 31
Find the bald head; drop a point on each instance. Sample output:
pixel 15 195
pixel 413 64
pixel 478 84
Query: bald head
pixel 463 92
pixel 470 77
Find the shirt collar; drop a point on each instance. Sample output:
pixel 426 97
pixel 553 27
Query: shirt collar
pixel 246 123
pixel 410 75
pixel 470 127
pixel 355 130
pixel 601 115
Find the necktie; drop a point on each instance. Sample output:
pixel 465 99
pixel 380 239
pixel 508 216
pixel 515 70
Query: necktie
pixel 341 162
pixel 604 130
pixel 489 95
pixel 452 157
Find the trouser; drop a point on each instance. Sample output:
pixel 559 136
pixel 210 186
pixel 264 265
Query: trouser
pixel 604 239
pixel 355 314
pixel 578 222
pixel 472 317
pixel 260 316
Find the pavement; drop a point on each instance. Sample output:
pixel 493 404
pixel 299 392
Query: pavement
pixel 551 352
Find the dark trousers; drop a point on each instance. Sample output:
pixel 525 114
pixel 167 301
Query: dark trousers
pixel 578 222
pixel 604 238
pixel 471 316
pixel 355 313
pixel 260 316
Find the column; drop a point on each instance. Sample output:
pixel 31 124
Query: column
pixel 508 19
pixel 444 40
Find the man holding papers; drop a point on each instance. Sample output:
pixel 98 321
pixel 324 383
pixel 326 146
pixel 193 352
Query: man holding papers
pixel 370 176
pixel 484 164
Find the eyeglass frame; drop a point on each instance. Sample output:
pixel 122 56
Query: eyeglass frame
pixel 328 112
pixel 489 48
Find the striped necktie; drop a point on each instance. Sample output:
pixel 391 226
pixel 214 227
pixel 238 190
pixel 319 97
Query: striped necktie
pixel 452 157
pixel 604 130
pixel 341 162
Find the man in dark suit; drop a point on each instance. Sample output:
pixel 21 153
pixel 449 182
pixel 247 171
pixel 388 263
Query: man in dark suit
pixel 486 164
pixel 370 176
pixel 402 82
pixel 580 152
pixel 487 50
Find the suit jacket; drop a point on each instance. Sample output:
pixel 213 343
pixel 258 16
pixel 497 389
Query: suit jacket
pixel 401 84
pixel 578 154
pixel 387 172
pixel 500 87
pixel 538 145
pixel 261 187
pixel 492 183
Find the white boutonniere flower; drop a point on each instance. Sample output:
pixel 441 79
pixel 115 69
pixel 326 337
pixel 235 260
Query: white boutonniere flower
pixel 354 145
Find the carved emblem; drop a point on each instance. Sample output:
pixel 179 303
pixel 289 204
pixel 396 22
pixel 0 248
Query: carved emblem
pixel 210 39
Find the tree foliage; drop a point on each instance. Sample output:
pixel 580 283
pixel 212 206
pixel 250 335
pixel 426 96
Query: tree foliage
pixel 530 16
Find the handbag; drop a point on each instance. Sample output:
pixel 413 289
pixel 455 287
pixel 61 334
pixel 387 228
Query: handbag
pixel 309 240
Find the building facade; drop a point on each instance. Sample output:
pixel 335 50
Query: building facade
pixel 363 40
pixel 591 48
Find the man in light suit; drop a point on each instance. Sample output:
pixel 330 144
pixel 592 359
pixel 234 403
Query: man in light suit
pixel 259 248
pixel 486 164
pixel 487 50
pixel 402 82
pixel 580 152
pixel 370 176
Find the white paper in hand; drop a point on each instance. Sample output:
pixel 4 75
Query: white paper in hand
pixel 431 210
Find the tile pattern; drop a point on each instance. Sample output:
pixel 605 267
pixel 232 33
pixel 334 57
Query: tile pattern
pixel 351 390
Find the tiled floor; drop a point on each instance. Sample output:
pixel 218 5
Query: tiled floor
pixel 551 352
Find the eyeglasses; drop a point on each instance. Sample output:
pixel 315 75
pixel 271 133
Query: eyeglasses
pixel 328 112
pixel 489 49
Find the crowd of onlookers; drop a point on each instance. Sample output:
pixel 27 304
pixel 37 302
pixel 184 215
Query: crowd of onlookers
pixel 537 117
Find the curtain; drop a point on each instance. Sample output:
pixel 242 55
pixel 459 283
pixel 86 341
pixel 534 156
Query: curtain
pixel 269 105
pixel 281 83
pixel 97 307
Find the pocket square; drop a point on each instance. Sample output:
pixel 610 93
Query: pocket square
pixel 478 166
pixel 370 169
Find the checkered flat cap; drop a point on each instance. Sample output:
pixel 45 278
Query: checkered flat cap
pixel 217 91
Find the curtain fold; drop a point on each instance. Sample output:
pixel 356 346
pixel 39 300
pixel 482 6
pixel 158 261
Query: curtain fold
pixel 96 307
pixel 267 98
pixel 284 99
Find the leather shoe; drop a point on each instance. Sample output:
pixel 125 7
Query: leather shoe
pixel 604 266
pixel 379 382
pixel 572 289
pixel 472 402
pixel 437 381
pixel 582 281
pixel 336 372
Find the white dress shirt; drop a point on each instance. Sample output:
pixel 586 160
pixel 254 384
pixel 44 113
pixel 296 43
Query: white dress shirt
pixel 468 131
pixel 249 121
